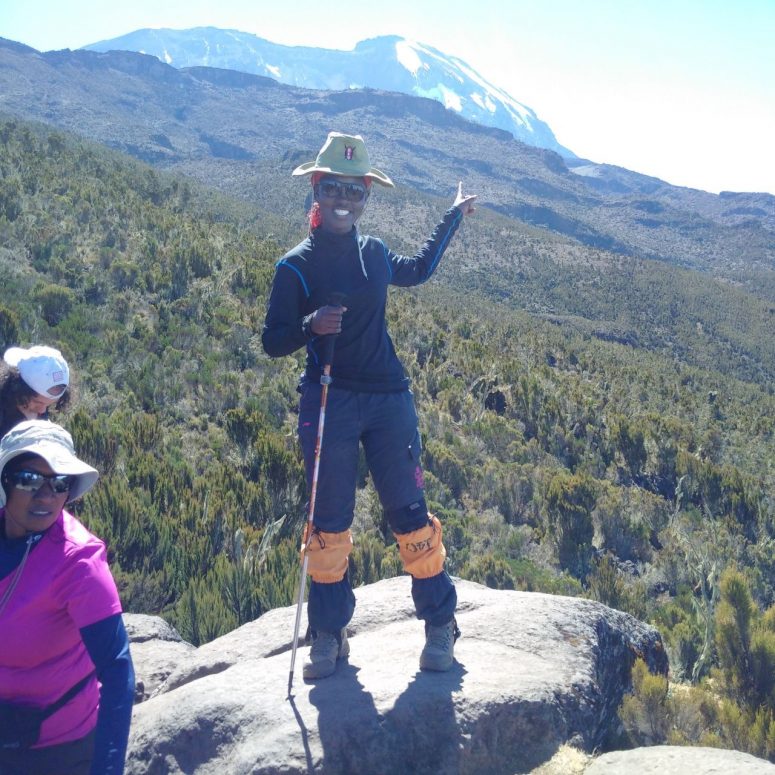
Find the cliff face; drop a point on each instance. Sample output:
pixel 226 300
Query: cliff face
pixel 532 672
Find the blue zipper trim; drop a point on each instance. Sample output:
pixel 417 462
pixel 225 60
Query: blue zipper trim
pixel 301 276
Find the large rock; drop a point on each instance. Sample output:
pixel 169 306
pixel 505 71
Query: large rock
pixel 672 760
pixel 156 649
pixel 532 672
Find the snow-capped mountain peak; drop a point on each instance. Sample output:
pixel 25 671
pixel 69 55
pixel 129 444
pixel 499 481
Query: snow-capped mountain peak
pixel 390 63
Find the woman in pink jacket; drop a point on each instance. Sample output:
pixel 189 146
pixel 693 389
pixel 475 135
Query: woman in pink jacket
pixel 66 676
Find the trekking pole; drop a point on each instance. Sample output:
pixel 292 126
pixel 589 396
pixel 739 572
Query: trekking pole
pixel 325 380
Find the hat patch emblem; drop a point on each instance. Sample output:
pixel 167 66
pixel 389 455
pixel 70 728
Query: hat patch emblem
pixel 58 376
pixel 348 152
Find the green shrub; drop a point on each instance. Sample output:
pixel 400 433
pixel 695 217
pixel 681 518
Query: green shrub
pixel 55 302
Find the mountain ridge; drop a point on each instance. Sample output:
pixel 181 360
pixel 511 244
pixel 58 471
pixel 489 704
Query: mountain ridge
pixel 229 128
pixel 385 63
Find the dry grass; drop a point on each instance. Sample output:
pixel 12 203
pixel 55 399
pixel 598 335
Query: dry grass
pixel 567 761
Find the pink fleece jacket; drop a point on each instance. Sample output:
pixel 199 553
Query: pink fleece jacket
pixel 66 584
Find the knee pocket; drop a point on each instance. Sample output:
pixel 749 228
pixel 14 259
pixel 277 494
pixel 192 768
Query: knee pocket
pixel 327 555
pixel 422 550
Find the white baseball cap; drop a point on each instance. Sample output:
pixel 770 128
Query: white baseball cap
pixel 42 368
pixel 55 445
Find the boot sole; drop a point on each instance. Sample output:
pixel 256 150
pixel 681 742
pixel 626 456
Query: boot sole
pixel 437 665
pixel 319 670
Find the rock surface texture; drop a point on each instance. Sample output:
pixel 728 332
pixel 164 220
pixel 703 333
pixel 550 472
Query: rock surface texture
pixel 673 760
pixel 156 649
pixel 532 672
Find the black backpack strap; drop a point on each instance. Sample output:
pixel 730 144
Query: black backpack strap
pixel 50 710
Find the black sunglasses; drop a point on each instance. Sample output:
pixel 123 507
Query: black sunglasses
pixel 334 189
pixel 32 481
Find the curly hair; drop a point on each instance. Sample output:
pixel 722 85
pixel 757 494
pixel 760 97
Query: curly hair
pixel 15 394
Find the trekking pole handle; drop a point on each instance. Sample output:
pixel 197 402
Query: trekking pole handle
pixel 335 299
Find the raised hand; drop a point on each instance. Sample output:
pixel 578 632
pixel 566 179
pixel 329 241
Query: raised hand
pixel 464 202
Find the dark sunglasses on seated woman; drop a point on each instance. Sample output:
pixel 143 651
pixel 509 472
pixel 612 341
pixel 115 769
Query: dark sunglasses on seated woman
pixel 336 189
pixel 32 481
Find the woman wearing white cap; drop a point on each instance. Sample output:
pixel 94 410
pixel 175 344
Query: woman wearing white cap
pixel 32 380
pixel 66 675
pixel 369 404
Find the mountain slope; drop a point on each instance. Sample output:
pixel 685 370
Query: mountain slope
pixel 233 129
pixel 157 297
pixel 559 459
pixel 388 63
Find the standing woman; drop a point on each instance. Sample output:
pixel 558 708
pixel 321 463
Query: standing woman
pixel 32 381
pixel 369 401
pixel 66 675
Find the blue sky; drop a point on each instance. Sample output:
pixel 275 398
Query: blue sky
pixel 682 89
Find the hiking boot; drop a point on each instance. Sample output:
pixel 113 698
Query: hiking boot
pixel 438 653
pixel 327 647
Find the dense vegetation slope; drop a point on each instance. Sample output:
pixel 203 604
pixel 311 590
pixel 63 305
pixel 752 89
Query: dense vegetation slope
pixel 592 425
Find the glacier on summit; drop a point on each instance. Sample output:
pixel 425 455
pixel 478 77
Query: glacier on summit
pixel 388 63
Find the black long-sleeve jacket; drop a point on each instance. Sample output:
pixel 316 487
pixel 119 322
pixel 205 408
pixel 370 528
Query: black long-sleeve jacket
pixel 361 268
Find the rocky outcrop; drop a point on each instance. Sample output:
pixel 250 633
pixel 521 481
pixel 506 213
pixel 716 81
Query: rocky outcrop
pixel 156 649
pixel 532 672
pixel 674 760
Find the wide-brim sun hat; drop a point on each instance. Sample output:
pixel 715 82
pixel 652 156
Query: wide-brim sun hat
pixel 55 445
pixel 344 155
pixel 42 368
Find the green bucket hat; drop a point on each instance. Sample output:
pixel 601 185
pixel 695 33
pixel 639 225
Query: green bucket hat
pixel 344 155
